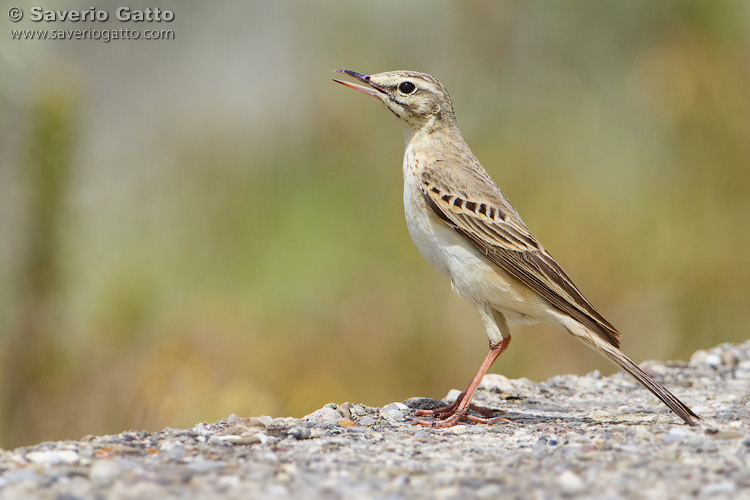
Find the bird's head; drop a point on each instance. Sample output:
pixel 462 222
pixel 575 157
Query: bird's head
pixel 418 99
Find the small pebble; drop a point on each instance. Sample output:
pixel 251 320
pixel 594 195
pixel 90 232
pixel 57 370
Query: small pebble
pixel 264 421
pixel 301 432
pixel 367 421
pixel 722 488
pixel 18 476
pixel 570 483
pixel 174 453
pixel 53 457
pixel 205 465
pixel 395 411
pixel 452 395
pixel 104 472
pixel 324 415
pixel 356 429
pixel 674 436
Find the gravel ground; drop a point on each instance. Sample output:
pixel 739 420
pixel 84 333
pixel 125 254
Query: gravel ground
pixel 569 437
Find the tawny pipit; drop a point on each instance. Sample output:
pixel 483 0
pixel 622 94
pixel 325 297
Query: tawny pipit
pixel 466 228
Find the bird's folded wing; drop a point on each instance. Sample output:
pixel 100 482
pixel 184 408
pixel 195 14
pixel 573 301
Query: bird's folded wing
pixel 498 233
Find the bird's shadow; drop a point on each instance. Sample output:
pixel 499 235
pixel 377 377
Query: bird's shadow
pixel 516 417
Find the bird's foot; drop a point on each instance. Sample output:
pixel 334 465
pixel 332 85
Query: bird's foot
pixel 450 409
pixel 452 414
pixel 456 417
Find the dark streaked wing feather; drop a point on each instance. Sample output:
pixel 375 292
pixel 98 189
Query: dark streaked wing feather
pixel 506 241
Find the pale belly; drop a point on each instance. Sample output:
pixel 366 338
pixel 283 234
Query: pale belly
pixel 472 275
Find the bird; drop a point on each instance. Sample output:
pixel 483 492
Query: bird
pixel 466 229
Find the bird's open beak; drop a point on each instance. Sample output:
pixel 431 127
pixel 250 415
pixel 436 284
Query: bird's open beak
pixel 373 90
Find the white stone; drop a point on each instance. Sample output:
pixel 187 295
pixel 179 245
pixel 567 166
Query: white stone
pixel 570 483
pixel 324 415
pixel 722 488
pixel 104 472
pixel 53 457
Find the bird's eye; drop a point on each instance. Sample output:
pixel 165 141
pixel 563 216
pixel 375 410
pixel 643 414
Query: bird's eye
pixel 406 87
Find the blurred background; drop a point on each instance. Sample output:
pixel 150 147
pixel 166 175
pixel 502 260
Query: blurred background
pixel 208 225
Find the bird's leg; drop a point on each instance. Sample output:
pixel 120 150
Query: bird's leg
pixel 459 409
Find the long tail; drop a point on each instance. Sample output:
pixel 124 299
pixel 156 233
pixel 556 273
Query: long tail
pixel 614 354
pixel 652 385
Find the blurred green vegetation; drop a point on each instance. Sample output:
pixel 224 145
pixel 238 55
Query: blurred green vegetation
pixel 210 226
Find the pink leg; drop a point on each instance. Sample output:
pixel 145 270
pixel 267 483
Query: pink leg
pixel 459 409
